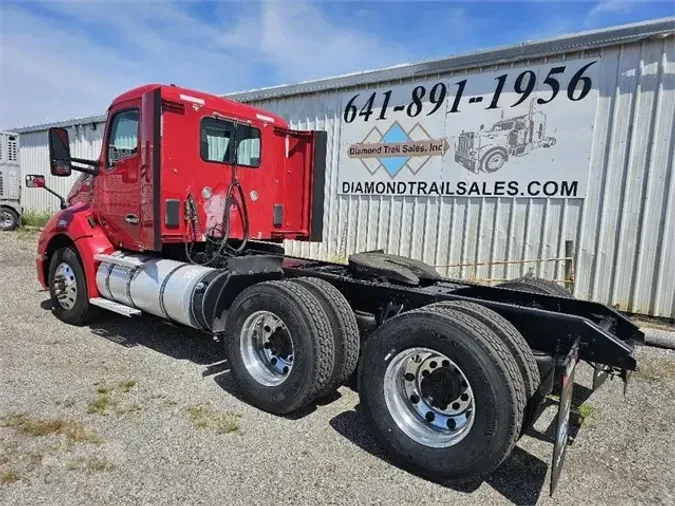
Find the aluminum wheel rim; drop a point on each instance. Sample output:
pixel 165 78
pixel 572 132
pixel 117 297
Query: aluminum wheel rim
pixel 65 286
pixel 495 161
pixel 7 219
pixel 411 381
pixel 266 348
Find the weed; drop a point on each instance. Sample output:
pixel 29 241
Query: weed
pixel 92 464
pixel 223 423
pixel 582 414
pixel 102 402
pixel 127 385
pixel 106 398
pixel 133 408
pixel 74 431
pixel 35 219
pixel 9 476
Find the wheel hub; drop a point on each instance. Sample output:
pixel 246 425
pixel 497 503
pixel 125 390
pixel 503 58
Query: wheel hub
pixel 266 348
pixel 429 397
pixel 65 286
pixel 6 219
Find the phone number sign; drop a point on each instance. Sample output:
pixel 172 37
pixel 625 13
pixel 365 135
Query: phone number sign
pixel 520 132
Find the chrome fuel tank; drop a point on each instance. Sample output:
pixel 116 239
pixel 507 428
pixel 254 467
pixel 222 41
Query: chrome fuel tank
pixel 158 286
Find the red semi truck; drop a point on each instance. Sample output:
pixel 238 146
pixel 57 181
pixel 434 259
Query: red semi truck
pixel 184 218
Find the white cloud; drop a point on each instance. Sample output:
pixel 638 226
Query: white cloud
pixel 69 59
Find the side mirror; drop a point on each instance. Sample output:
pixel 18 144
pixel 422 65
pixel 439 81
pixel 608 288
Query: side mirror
pixel 35 181
pixel 59 152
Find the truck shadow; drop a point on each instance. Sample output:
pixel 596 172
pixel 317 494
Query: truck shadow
pixel 176 341
pixel 179 342
pixel 520 479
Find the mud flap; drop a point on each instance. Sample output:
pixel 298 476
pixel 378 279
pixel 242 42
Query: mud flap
pixel 563 417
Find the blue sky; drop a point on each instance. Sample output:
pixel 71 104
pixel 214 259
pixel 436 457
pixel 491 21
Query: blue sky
pixel 69 58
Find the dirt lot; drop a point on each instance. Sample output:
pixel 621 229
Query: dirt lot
pixel 134 411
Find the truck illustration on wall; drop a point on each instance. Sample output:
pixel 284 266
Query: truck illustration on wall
pixel 488 150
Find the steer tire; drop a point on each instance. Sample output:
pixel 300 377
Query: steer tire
pixel 489 368
pixel 514 341
pixel 81 312
pixel 397 268
pixel 344 326
pixel 310 333
pixel 9 219
pixel 537 285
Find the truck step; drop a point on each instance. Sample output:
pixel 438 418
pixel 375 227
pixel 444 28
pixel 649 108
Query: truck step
pixel 115 307
pixel 119 259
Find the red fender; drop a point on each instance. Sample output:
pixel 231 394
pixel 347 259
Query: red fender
pixel 77 224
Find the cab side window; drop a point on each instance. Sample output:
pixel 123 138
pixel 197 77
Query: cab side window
pixel 219 138
pixel 123 139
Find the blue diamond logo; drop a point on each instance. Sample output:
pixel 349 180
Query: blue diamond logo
pixel 395 134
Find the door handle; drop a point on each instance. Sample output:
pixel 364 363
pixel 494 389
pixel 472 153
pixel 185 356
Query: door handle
pixel 131 219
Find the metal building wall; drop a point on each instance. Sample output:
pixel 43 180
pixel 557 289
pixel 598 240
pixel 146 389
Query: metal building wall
pixel 623 231
pixel 85 142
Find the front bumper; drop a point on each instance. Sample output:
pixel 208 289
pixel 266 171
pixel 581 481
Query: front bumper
pixel 469 163
pixel 40 266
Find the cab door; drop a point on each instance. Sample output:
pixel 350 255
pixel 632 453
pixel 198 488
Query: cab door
pixel 117 186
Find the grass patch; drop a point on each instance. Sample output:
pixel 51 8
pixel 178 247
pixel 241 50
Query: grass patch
pixel 35 219
pixel 204 417
pixel 582 414
pixel 73 431
pixel 92 464
pixel 133 408
pixel 9 476
pixel 127 385
pixel 107 399
pixel 102 402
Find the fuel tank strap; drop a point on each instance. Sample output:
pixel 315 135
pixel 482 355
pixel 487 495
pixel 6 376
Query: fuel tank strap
pixel 163 287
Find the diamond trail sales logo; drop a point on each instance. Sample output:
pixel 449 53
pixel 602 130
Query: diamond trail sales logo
pixel 397 149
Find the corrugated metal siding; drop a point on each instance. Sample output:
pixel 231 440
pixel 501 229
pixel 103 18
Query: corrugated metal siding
pixel 623 231
pixel 85 142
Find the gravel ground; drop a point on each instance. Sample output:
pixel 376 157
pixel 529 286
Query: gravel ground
pixel 135 411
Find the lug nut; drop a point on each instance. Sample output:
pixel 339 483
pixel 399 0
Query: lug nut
pixel 464 397
pixel 409 376
pixel 274 360
pixel 456 406
pixel 425 373
pixel 430 416
pixel 451 423
pixel 266 346
pixel 285 369
pixel 267 328
pixel 446 363
pixel 414 399
pixel 433 364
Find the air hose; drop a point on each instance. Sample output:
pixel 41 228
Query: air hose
pixel 239 201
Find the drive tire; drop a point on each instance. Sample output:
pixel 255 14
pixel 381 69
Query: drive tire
pixel 82 312
pixel 311 336
pixel 345 330
pixel 514 341
pixel 537 285
pixel 489 368
pixel 498 158
pixel 9 219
